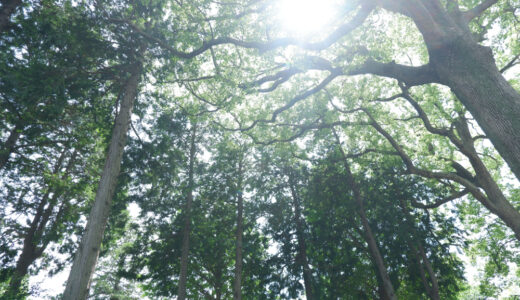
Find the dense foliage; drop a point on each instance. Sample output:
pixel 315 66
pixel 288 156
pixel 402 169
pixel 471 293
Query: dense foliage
pixel 202 150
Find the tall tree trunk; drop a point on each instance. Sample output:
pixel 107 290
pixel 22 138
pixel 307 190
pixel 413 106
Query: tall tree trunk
pixel 420 266
pixel 9 145
pixel 237 284
pixel 30 251
pixel 420 255
pixel 8 8
pixel 374 251
pixel 302 245
pixel 22 266
pixel 434 291
pixel 183 276
pixel 80 276
pixel 369 235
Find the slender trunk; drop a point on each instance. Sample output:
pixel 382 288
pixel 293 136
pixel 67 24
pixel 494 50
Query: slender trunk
pixel 117 288
pixel 302 246
pixel 420 266
pixel 434 291
pixel 218 283
pixel 86 257
pixel 22 266
pixel 369 235
pixel 28 255
pixel 187 218
pixel 237 284
pixel 496 201
pixel 8 8
pixel 30 251
pixel 421 258
pixel 9 145
pixel 374 251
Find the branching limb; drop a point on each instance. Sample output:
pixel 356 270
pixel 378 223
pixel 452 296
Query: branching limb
pixel 440 202
pixel 421 172
pixel 515 61
pixel 412 76
pixel 341 31
pixel 424 116
pixel 311 63
pixel 334 73
pixel 478 10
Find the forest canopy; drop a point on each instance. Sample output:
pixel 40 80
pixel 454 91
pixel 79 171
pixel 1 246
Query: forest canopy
pixel 259 149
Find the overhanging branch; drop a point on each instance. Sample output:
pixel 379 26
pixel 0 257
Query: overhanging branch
pixel 478 10
pixel 412 76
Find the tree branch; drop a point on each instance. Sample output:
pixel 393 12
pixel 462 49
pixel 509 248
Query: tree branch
pixel 341 31
pixel 510 64
pixel 412 76
pixel 478 10
pixel 440 202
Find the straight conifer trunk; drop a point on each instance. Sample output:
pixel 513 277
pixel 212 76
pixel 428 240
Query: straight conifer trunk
pixel 422 259
pixel 369 235
pixel 183 276
pixel 30 251
pixel 8 8
pixel 237 284
pixel 9 145
pixel 302 245
pixel 80 276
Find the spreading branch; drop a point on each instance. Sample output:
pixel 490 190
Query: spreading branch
pixel 341 31
pixel 478 10
pixel 515 61
pixel 412 76
pixel 438 203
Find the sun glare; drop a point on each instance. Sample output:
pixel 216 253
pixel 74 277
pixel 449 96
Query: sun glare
pixel 306 17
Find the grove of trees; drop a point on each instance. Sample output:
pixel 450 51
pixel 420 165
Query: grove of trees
pixel 173 149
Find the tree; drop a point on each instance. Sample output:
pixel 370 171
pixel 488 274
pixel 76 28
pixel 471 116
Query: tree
pixel 86 257
pixel 52 106
pixel 452 52
pixel 82 270
pixel 264 165
pixel 6 11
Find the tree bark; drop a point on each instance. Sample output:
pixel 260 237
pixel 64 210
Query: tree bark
pixel 22 266
pixel 183 276
pixel 7 10
pixel 237 284
pixel 434 291
pixel 80 276
pixel 377 258
pixel 471 73
pixel 420 255
pixel 302 245
pixel 30 251
pixel 9 145
pixel 469 69
pixel 374 251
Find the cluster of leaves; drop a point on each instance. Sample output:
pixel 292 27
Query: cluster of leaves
pixel 227 69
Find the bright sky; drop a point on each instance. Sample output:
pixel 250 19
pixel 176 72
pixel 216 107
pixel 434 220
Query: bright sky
pixel 306 17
